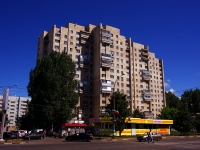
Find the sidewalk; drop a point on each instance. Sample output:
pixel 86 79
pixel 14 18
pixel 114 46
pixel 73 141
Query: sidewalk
pixel 134 138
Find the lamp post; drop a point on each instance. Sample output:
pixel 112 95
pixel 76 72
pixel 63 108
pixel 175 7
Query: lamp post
pixel 4 108
pixel 114 104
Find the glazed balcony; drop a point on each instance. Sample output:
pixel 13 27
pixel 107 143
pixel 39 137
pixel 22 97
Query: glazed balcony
pixel 146 92
pixel 106 56
pixel 106 40
pixel 106 83
pixel 146 58
pixel 105 33
pixel 106 89
pixel 84 64
pixel 145 54
pixel 86 42
pixel 84 34
pixel 146 72
pixel 147 97
pixel 146 77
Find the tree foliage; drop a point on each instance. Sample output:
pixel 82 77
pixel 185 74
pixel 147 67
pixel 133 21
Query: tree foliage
pixel 172 101
pixel 52 89
pixel 184 111
pixel 138 114
pixel 121 105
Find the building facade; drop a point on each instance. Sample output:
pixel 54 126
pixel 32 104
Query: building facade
pixel 17 107
pixel 105 60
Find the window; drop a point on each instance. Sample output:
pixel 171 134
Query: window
pixel 77 33
pixel 117 47
pixel 57 35
pixel 121 49
pixel 71 43
pixel 77 76
pixel 71 37
pixel 111 70
pixel 117 53
pixel 120 43
pixel 70 55
pixel 117 65
pixel 65 36
pixel 77 56
pixel 71 49
pixel 111 46
pixel 71 31
pixel 77 39
pixel 112 76
pixel 65 42
pixel 117 59
pixel 116 36
pixel 57 47
pixel 77 44
pixel 116 42
pixel 77 50
pixel 103 51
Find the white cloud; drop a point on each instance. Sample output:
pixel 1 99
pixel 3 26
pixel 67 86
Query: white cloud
pixel 172 90
pixel 166 84
pixel 168 80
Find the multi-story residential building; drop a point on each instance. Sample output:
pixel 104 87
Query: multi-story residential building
pixel 17 107
pixel 106 59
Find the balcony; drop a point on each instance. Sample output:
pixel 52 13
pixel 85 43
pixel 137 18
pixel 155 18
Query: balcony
pixel 86 42
pixel 146 72
pixel 106 83
pixel 148 114
pixel 106 64
pixel 84 64
pixel 106 40
pixel 80 84
pixel 84 34
pixel 105 33
pixel 106 89
pixel 147 97
pixel 106 56
pixel 145 49
pixel 146 58
pixel 145 54
pixel 146 77
pixel 146 92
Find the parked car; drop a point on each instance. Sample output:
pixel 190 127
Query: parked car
pixel 9 135
pixel 80 136
pixel 50 133
pixel 34 136
pixel 144 137
pixel 60 134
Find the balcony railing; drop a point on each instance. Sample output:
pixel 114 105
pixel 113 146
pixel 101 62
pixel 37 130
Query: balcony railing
pixel 145 53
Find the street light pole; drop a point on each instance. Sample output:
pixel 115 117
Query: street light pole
pixel 114 104
pixel 4 109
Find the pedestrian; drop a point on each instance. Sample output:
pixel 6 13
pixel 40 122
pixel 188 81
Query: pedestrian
pixel 150 136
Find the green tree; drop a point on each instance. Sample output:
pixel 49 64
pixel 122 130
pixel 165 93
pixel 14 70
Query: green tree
pixel 172 101
pixel 52 89
pixel 168 113
pixel 121 105
pixel 138 114
pixel 182 121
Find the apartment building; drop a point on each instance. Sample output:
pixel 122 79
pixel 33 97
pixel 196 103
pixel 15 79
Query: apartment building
pixel 17 107
pixel 105 60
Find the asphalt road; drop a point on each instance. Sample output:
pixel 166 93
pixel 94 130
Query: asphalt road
pixel 60 144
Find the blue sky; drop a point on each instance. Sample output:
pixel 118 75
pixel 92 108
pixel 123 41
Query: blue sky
pixel 171 29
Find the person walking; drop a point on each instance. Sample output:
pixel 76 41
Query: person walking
pixel 150 136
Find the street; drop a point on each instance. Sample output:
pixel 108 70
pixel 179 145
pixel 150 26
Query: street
pixel 59 144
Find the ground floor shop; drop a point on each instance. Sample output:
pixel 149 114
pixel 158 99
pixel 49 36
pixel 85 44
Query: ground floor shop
pixel 133 126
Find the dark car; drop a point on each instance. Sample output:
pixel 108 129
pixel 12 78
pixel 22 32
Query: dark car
pixel 34 136
pixel 144 137
pixel 50 133
pixel 79 137
pixel 60 133
pixel 9 135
